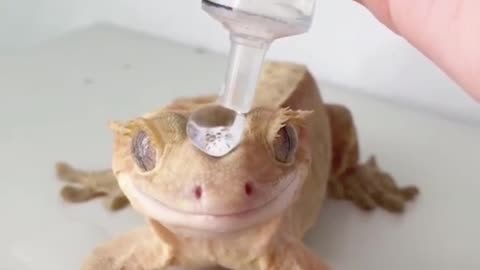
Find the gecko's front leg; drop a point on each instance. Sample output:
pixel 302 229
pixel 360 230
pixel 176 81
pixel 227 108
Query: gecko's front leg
pixel 83 186
pixel 137 250
pixel 290 254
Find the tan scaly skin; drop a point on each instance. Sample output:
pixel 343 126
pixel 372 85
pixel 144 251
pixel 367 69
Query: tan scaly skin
pixel 248 210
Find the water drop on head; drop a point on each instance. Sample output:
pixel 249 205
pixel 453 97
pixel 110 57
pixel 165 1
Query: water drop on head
pixel 215 130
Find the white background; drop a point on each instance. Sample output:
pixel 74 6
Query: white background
pixel 346 45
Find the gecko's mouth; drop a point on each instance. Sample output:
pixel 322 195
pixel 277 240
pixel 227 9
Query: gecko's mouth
pixel 213 223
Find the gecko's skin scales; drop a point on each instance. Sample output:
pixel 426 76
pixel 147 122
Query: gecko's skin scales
pixel 247 210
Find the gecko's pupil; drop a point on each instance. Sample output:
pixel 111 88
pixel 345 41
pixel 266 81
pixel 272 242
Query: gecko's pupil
pixel 285 144
pixel 143 151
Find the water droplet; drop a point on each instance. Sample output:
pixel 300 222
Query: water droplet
pixel 215 130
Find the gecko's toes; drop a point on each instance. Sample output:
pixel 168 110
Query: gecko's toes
pixel 75 195
pixel 365 202
pixel 409 193
pixel 63 170
pixel 390 202
pixel 116 203
pixel 368 187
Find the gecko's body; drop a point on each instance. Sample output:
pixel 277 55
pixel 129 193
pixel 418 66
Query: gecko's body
pixel 249 209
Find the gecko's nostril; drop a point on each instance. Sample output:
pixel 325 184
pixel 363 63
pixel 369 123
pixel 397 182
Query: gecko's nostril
pixel 248 189
pixel 198 192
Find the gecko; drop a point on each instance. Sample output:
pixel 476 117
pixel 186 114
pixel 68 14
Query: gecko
pixel 248 210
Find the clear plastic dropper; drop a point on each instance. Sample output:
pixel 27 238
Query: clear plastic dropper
pixel 243 70
pixel 216 130
pixel 253 25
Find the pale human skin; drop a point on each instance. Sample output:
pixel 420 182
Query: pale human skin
pixel 248 210
pixel 445 31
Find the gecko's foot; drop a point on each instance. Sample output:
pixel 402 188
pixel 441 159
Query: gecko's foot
pixel 116 202
pixel 76 195
pixel 86 185
pixel 67 173
pixel 70 192
pixel 369 187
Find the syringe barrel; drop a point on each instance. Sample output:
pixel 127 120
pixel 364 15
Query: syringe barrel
pixel 268 19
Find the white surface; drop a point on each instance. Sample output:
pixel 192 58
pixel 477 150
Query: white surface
pixel 55 104
pixel 345 46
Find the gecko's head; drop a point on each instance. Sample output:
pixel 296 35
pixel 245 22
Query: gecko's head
pixel 169 180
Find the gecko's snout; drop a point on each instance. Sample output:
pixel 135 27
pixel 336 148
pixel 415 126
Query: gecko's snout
pixel 248 187
pixel 197 191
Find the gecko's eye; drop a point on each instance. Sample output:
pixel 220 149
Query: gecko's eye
pixel 285 145
pixel 143 151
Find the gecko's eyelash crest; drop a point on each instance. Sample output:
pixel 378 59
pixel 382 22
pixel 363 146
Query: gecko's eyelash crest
pixel 143 151
pixel 285 144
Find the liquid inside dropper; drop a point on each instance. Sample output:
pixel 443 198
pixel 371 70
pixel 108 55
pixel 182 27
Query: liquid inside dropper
pixel 246 61
pixel 218 129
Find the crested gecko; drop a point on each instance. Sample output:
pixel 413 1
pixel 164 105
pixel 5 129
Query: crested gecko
pixel 248 210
